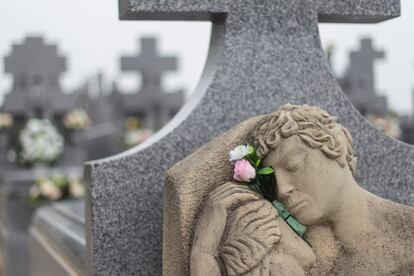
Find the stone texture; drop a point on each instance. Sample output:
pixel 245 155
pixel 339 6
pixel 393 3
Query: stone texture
pixel 262 55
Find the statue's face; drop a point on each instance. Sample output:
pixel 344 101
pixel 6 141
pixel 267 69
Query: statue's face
pixel 309 183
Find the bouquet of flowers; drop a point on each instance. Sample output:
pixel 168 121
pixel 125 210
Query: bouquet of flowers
pixel 262 180
pixel 56 188
pixel 6 121
pixel 135 134
pixel 40 142
pixel 389 125
pixel 247 169
pixel 77 119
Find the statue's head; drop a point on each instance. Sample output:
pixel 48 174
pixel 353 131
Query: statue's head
pixel 312 157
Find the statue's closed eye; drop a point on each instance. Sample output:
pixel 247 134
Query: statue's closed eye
pixel 295 161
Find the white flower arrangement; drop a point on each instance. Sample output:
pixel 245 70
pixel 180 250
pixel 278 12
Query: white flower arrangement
pixel 134 137
pixel 40 142
pixel 389 125
pixel 6 121
pixel 77 119
pixel 56 188
pixel 134 134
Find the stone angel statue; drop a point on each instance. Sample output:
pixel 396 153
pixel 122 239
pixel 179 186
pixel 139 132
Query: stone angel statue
pixel 214 225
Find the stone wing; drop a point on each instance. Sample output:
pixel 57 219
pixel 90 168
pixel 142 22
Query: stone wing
pixel 252 233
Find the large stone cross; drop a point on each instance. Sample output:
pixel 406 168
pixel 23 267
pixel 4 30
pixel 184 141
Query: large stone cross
pixel 263 54
pixel 367 51
pixel 362 62
pixel 359 80
pixel 33 63
pixel 36 68
pixel 149 64
pixel 152 103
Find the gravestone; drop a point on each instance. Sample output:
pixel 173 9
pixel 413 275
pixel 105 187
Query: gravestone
pixel 4 144
pixel 151 103
pixel 262 55
pixel 407 124
pixel 16 213
pixel 57 240
pixel 359 80
pixel 105 133
pixel 36 68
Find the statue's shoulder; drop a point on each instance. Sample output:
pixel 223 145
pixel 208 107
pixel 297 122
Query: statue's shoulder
pixel 389 216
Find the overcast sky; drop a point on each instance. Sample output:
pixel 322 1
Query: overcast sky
pixel 91 36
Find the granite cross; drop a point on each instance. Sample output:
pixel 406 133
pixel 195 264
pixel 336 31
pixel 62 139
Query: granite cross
pixel 36 68
pixel 263 54
pixel 151 102
pixel 359 83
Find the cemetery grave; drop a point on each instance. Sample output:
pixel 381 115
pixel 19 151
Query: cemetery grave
pixel 359 83
pixel 36 68
pixel 151 103
pixel 85 127
pixel 32 144
pixel 262 55
pixel 36 105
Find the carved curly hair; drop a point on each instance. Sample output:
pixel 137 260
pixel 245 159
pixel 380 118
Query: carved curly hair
pixel 313 126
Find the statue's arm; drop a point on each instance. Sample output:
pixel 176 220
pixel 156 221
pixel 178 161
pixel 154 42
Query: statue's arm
pixel 207 237
pixel 211 227
pixel 293 256
pixel 204 264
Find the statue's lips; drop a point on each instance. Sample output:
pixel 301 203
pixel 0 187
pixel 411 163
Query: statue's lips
pixel 295 208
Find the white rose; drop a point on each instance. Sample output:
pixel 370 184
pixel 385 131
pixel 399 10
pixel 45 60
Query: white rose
pixel 239 152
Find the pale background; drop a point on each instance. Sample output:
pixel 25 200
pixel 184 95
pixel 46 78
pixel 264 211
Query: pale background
pixel 91 36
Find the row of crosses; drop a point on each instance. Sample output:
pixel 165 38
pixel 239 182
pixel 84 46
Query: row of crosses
pixel 36 69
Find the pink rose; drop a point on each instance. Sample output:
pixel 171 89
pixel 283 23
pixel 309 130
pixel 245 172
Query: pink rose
pixel 243 171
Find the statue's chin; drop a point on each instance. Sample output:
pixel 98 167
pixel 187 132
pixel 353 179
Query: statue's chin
pixel 308 216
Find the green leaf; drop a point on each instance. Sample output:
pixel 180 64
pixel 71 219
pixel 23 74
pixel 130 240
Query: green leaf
pixel 257 163
pixel 251 153
pixel 250 150
pixel 267 170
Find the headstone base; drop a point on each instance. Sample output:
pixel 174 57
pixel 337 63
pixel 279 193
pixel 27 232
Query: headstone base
pixel 57 240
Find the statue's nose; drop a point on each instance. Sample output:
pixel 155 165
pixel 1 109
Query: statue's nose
pixel 284 188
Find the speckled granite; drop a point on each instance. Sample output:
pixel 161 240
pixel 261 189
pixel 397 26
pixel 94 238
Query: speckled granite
pixel 263 54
